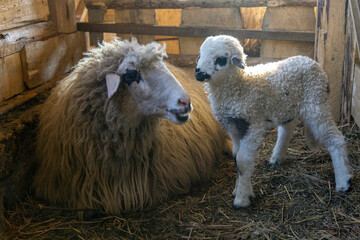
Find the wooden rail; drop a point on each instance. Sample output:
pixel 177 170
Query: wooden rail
pixel 355 14
pixel 175 4
pixel 125 28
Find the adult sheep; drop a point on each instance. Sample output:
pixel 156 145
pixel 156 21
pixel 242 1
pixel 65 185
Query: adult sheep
pixel 248 101
pixel 103 139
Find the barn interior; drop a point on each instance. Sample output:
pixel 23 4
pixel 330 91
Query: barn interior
pixel 42 40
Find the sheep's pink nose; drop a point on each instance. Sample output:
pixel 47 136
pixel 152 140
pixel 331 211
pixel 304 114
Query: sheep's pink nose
pixel 184 101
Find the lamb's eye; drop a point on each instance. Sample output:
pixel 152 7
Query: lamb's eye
pixel 221 61
pixel 197 59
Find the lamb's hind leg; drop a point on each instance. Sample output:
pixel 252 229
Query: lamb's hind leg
pixel 285 132
pixel 325 130
pixel 245 161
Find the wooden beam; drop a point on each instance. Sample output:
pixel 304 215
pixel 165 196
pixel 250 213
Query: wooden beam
pixel 53 57
pixel 16 13
pixel 11 76
pixel 306 36
pixel 62 12
pixel 349 63
pixel 25 96
pixel 96 15
pixel 13 40
pixel 355 14
pixel 330 46
pixel 174 4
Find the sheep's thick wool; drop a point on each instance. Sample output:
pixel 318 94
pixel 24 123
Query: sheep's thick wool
pixel 105 154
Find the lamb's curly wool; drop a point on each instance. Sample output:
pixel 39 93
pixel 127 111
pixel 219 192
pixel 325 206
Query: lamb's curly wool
pixel 250 100
pixel 107 154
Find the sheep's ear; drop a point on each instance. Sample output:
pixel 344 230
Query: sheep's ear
pixel 237 62
pixel 112 83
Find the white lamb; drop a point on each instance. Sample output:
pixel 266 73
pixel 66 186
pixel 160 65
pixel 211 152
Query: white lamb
pixel 248 101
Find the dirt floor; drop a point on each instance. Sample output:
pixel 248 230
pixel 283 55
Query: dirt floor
pixel 295 201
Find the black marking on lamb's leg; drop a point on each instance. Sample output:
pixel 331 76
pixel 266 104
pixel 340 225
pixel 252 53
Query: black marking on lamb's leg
pixel 327 89
pixel 241 124
pixel 287 121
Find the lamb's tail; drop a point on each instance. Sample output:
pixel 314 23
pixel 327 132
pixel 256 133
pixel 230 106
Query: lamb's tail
pixel 312 142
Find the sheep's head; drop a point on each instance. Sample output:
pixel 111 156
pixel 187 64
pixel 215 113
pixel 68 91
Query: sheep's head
pixel 153 87
pixel 218 53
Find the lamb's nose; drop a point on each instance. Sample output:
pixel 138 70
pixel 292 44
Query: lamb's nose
pixel 197 70
pixel 201 76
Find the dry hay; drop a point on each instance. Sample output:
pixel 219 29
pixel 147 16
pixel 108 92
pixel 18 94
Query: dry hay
pixel 296 201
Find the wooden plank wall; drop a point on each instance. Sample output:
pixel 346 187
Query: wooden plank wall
pixel 38 42
pixel 16 13
pixel 350 99
pixel 330 46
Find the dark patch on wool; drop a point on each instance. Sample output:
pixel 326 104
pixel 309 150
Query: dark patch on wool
pixel 241 125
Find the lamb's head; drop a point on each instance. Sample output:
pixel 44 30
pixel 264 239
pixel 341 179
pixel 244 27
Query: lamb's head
pixel 217 54
pixel 152 86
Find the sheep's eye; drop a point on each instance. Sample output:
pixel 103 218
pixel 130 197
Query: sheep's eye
pixel 131 76
pixel 197 59
pixel 221 61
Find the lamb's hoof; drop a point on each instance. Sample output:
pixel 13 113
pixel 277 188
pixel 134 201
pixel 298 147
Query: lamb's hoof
pixel 346 188
pixel 240 203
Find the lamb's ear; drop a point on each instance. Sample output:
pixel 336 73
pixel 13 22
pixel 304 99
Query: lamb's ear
pixel 237 62
pixel 112 83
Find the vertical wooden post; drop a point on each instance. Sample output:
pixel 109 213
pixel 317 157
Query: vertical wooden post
pixel 96 15
pixel 349 61
pixel 330 46
pixel 63 13
pixel 140 16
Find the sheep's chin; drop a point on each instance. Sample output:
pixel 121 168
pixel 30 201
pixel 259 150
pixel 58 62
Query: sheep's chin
pixel 178 118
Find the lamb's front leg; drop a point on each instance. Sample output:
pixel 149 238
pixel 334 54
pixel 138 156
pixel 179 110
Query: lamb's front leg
pixel 235 138
pixel 245 161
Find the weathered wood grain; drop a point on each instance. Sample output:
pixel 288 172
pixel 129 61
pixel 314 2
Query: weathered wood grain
pixel 330 46
pixel 63 14
pixel 11 76
pixel 174 4
pixel 13 40
pixel 136 16
pixel 53 57
pixel 95 16
pixel 15 13
pixel 296 18
pixel 348 74
pixel 355 105
pixel 306 36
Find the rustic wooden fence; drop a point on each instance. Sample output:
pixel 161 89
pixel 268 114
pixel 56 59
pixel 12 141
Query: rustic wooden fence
pixel 97 11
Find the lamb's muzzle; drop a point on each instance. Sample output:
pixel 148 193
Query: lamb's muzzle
pixel 200 75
